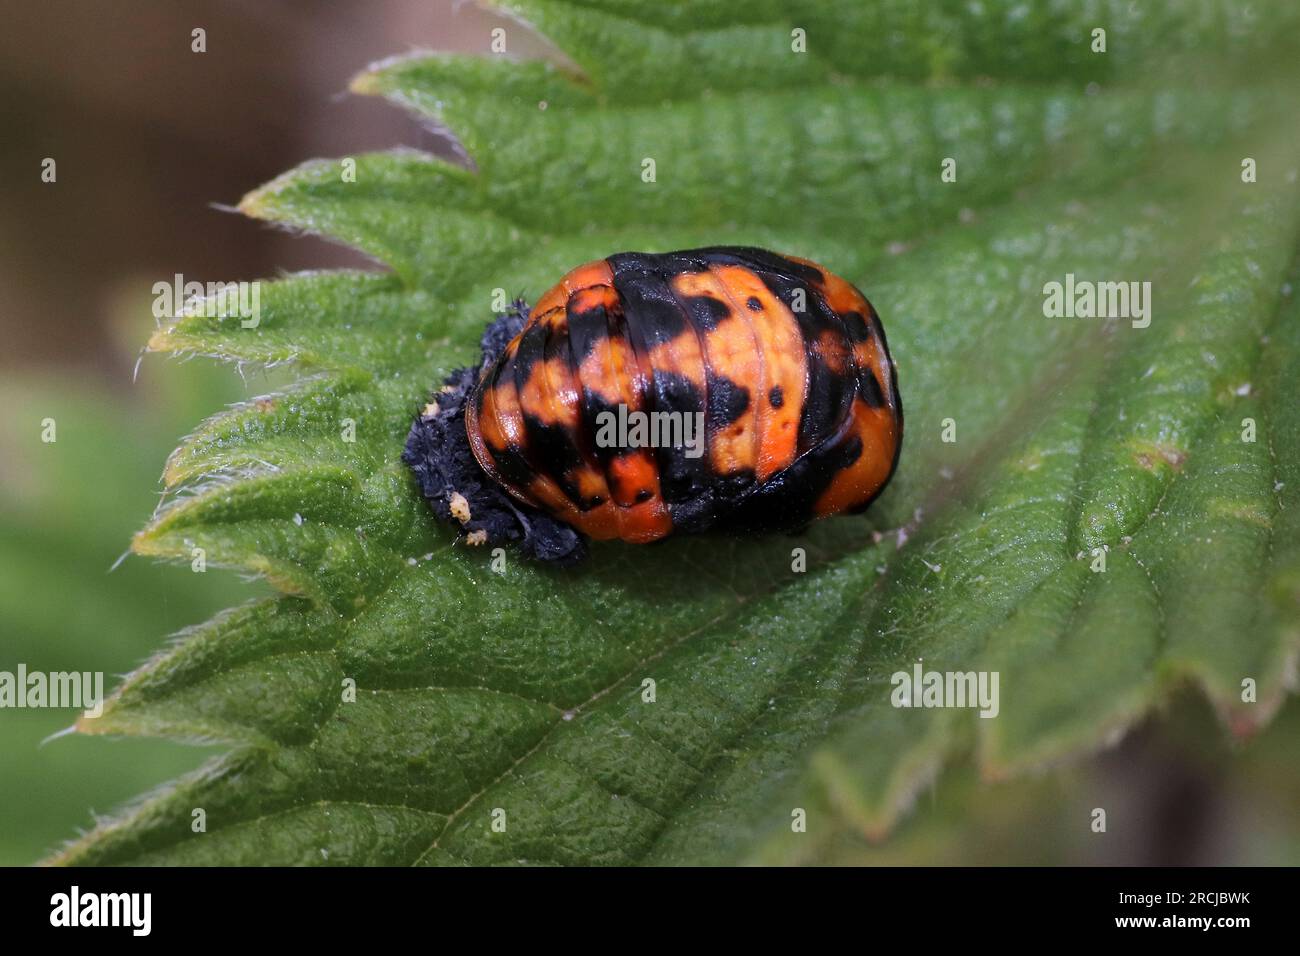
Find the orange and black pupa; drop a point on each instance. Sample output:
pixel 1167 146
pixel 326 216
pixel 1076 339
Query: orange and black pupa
pixel 720 389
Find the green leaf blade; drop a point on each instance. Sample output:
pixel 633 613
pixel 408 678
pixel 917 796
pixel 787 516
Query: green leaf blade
pixel 408 701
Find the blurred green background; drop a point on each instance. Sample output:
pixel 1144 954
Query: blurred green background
pixel 69 509
pixel 147 136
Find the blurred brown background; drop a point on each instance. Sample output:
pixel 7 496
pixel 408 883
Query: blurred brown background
pixel 148 135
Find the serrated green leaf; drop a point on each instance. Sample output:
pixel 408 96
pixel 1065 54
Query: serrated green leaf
pixel 683 703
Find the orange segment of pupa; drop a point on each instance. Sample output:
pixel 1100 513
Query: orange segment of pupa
pixel 500 422
pixel 589 274
pixel 876 428
pixel 870 359
pixel 730 351
pixel 784 367
pixel 630 477
pixel 602 521
pixel 844 299
pixel 831 349
pixel 681 356
pixel 609 370
pixel 606 371
pixel 552 499
pixel 500 426
pixel 558 390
